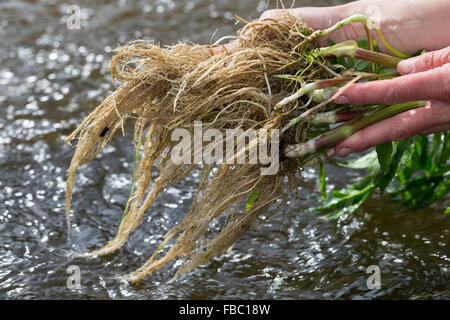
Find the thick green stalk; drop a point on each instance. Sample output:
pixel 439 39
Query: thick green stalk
pixel 321 95
pixel 350 49
pixel 344 131
pixel 370 76
pixel 322 84
pixel 377 57
pixel 310 87
pixel 320 105
pixel 331 117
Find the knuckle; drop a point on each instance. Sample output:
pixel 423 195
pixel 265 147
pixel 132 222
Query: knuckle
pixel 434 59
pixel 446 55
pixel 428 60
pixel 442 56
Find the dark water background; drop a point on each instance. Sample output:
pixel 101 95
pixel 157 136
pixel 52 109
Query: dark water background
pixel 50 79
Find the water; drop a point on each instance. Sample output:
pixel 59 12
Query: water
pixel 51 77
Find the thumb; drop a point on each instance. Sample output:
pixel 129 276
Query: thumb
pixel 424 62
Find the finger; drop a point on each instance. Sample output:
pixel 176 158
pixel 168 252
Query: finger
pixel 227 46
pixel 435 129
pixel 424 62
pixel 397 128
pixel 429 85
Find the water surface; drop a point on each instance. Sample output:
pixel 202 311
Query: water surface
pixel 51 77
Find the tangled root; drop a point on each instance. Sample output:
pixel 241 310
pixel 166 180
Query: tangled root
pixel 165 88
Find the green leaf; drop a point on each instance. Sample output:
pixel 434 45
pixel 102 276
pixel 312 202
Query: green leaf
pixel 210 116
pixel 330 42
pixel 364 44
pixel 323 183
pixel 382 180
pixel 364 182
pixel 422 193
pixel 352 206
pixel 384 153
pixel 441 190
pixel 427 193
pixel 368 161
pixel 436 148
pixel 423 160
pixel 447 211
pixel 254 196
pixel 445 155
pixel 338 193
pixel 351 197
pixel 418 53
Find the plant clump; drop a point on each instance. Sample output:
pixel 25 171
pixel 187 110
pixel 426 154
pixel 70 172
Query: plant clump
pixel 272 77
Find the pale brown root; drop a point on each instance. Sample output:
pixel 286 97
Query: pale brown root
pixel 166 88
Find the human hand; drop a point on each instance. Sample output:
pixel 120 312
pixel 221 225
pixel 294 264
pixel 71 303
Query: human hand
pixel 426 77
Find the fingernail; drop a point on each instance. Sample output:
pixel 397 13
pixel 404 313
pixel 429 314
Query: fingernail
pixel 343 152
pixel 342 100
pixel 406 66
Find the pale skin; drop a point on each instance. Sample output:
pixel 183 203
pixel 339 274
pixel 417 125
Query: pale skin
pixel 409 26
pixel 423 78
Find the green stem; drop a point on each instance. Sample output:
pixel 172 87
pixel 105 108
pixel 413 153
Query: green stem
pixel 350 49
pixel 370 76
pixel 366 22
pixel 344 131
pixel 310 87
pixel 332 117
pixel 322 84
pixel 370 42
pixel 377 57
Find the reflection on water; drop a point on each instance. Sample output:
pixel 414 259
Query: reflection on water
pixel 51 77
